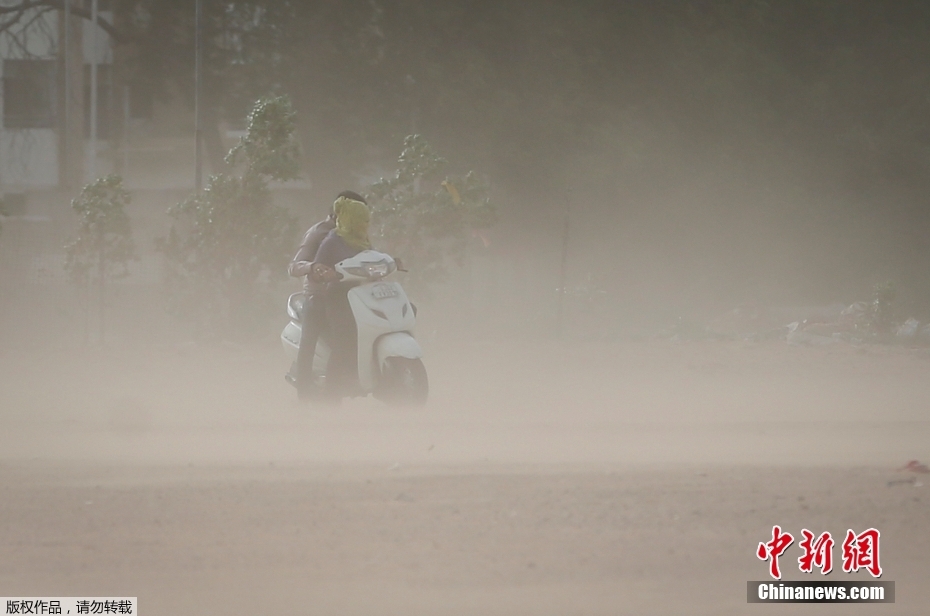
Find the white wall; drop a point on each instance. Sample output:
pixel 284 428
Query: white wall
pixel 29 157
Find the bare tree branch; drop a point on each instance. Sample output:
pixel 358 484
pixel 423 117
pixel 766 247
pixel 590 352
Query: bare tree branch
pixel 83 13
pixel 19 10
pixel 15 40
pixel 21 7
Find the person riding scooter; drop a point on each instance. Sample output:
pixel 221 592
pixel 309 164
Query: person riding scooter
pixel 313 315
pixel 349 238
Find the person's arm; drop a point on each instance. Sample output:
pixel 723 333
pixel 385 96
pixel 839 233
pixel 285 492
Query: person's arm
pixel 329 254
pixel 301 264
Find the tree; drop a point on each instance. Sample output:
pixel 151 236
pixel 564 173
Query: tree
pixel 226 241
pixel 425 217
pixel 153 42
pixel 103 246
pixel 820 105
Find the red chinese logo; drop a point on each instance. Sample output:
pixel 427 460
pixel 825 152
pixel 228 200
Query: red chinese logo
pixel 816 553
pixel 861 552
pixel 773 549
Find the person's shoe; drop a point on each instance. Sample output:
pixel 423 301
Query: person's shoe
pixel 308 390
pixel 328 398
pixel 309 393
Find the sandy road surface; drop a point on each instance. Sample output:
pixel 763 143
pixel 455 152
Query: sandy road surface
pixel 631 478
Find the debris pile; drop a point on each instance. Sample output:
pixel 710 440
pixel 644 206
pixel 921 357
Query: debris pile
pixel 857 323
pixel 912 466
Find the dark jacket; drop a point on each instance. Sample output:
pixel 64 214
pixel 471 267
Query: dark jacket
pixel 302 263
pixel 334 249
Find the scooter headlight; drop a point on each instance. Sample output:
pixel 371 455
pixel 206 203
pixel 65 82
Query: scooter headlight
pixel 372 270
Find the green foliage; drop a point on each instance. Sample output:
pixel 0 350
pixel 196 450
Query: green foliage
pixel 226 241
pixel 269 148
pixel 425 217
pixel 820 106
pixel 103 246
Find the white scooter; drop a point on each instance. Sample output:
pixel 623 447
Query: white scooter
pixel 390 364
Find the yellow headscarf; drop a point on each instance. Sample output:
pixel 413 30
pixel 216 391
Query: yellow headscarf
pixel 352 219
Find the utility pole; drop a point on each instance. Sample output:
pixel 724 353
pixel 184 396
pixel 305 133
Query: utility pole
pixel 127 113
pixel 71 151
pixel 198 79
pixel 64 134
pixel 92 165
pixel 560 318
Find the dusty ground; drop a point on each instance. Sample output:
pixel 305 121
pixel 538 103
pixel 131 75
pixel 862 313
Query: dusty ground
pixel 622 478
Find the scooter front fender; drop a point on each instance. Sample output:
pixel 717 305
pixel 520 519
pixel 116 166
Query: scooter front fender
pixel 397 344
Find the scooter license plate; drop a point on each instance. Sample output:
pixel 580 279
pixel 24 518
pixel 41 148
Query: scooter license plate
pixel 383 291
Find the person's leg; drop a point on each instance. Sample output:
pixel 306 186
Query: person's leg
pixel 310 327
pixel 342 368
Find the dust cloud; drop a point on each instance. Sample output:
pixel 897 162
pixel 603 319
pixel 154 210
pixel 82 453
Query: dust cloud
pixel 622 454
pixel 582 475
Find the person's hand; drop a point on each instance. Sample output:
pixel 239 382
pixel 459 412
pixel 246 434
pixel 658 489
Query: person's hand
pixel 324 273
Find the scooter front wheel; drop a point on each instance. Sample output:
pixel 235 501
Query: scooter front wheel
pixel 405 382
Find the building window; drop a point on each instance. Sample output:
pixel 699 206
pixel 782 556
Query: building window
pixel 29 93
